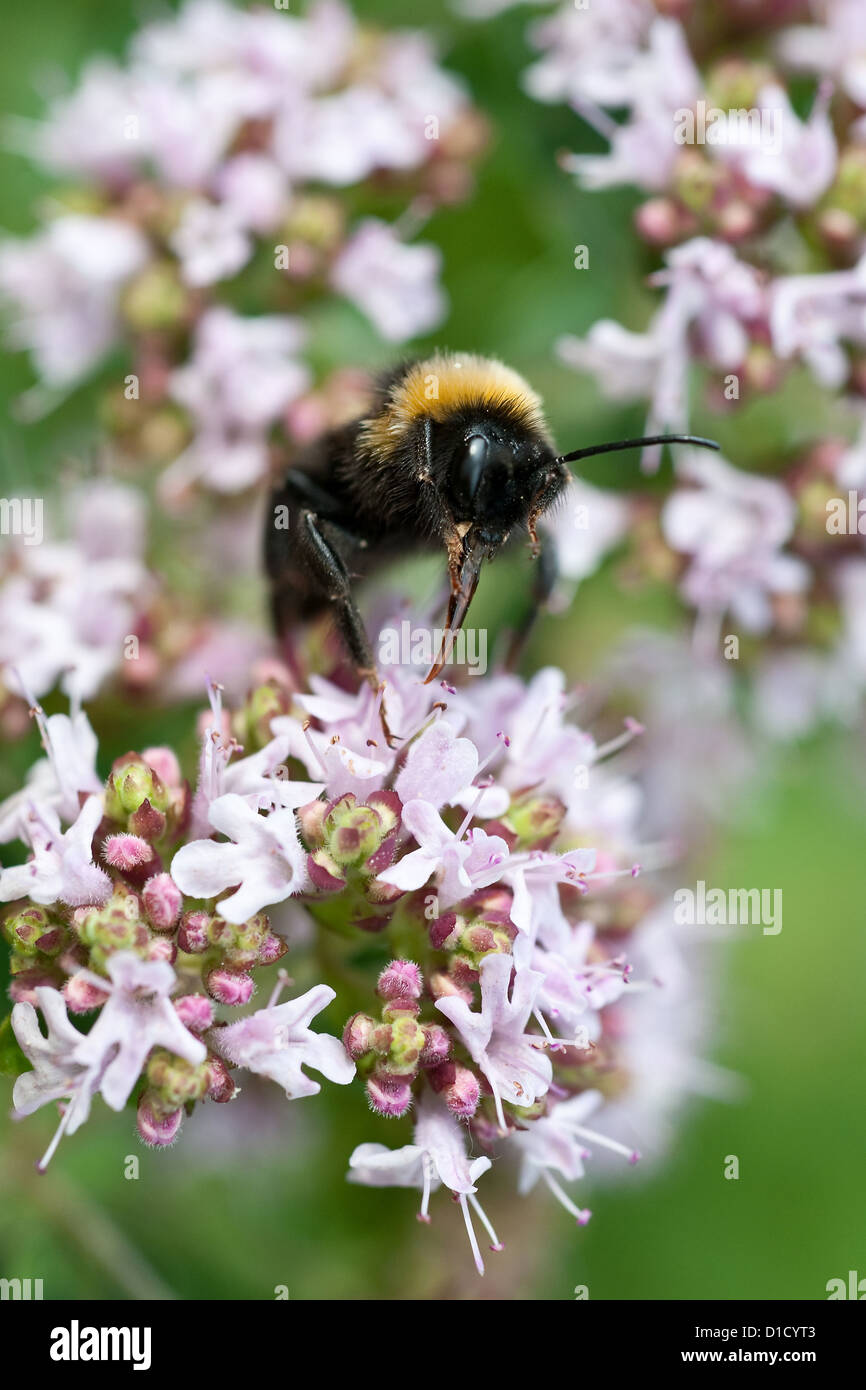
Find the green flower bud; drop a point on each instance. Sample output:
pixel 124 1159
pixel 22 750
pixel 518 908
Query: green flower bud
pixel 848 191
pixel 352 833
pixel 239 945
pixel 316 220
pixel 407 1044
pixel 130 785
pixel 163 434
pixel 155 298
pixel 482 939
pixel 734 83
pixel 25 929
pixel 117 926
pixel 696 180
pixel 253 720
pixel 175 1081
pixel 535 820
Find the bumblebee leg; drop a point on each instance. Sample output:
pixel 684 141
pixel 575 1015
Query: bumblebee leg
pixel 295 595
pixel 322 541
pixel 545 575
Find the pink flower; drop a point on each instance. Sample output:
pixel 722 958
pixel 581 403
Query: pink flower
pixel 253 190
pixel 514 1062
pixel 461 864
pixel 557 1143
pixel 441 768
pixel 733 525
pixel 210 243
pixel 242 369
pixel 56 780
pixel 835 48
pixel 258 778
pixel 653 83
pixel 138 1016
pixel 395 285
pixel 85 133
pixel 263 859
pixel 58 1073
pixel 587 523
pixel 61 868
pixel 798 161
pixel 352 756
pixel 126 852
pixel 277 1042
pixel 242 374
pixel 437 1155
pixel 812 315
pixel 66 610
pixel 535 879
pixel 574 990
pixel 65 284
pixel 712 301
pixel 586 51
pixel 524 726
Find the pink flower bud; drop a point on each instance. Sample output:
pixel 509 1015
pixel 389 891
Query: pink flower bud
pixel 458 1086
pixel 443 986
pixel 148 822
pixel 358 1035
pixel 441 929
pixel 324 873
pixel 221 1086
pixel 51 941
pixel 657 221
pixel 194 1011
pixel 164 764
pixel 463 1095
pixel 390 1096
pixel 272 948
pixel 23 986
pixel 437 1045
pixel 736 220
pixel 311 820
pixel 157 1131
pixel 192 935
pixel 81 996
pixel 126 852
pixel 162 901
pixel 234 987
pixel 162 948
pixel 400 980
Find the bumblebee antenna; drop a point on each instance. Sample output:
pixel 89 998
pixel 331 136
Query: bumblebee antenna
pixel 637 444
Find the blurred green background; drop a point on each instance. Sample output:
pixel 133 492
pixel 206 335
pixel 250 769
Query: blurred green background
pixel 206 1222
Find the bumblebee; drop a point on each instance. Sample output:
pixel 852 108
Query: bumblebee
pixel 454 452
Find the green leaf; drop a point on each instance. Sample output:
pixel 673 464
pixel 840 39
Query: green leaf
pixel 12 1059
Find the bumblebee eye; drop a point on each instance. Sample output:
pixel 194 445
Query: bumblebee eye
pixel 472 464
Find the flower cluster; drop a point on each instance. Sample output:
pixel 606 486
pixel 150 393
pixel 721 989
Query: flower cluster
pixel 476 885
pixel 66 606
pixel 218 157
pixel 83 609
pixel 754 200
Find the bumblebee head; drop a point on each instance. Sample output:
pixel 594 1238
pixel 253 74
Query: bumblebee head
pixel 472 430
